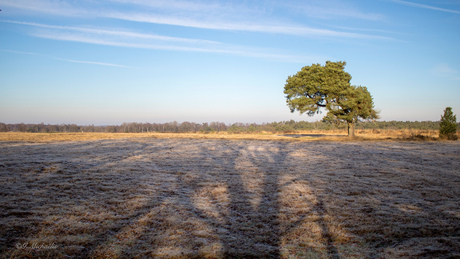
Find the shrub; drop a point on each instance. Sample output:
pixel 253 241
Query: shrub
pixel 448 125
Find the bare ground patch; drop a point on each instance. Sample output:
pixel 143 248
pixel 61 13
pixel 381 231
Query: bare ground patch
pixel 227 198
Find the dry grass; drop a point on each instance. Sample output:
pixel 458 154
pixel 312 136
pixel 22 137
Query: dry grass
pixel 47 137
pixel 173 197
pixel 330 135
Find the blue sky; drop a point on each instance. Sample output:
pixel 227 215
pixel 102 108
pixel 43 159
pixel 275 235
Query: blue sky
pixel 114 61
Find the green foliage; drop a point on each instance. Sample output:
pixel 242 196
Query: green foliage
pixel 448 125
pixel 235 129
pixel 353 103
pixel 176 127
pixel 315 87
pixel 3 127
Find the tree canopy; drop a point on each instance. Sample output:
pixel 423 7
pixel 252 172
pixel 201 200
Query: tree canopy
pixel 318 87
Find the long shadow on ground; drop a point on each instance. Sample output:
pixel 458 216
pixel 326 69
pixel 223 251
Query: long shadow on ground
pixel 219 198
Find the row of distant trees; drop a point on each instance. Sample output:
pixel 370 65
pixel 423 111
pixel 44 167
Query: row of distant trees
pixel 176 127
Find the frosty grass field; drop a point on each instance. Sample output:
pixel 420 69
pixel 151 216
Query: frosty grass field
pixel 184 197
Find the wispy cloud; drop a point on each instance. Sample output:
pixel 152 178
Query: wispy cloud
pixel 89 62
pixel 130 39
pixel 21 52
pixel 241 26
pixel 234 16
pixel 314 8
pixel 117 43
pixel 444 70
pixel 426 6
pixel 180 5
pixel 63 59
pixel 330 10
pixel 223 49
pixel 215 15
pixel 61 8
pixel 120 33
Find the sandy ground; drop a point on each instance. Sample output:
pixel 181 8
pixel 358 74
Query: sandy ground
pixel 224 198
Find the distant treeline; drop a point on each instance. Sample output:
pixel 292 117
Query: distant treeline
pixel 176 127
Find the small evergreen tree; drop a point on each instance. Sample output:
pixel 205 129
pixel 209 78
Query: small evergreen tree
pixel 448 125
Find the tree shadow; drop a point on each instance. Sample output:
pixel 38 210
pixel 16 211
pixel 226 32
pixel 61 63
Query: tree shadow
pixel 221 198
pixel 219 183
pixel 73 187
pixel 389 195
pixel 254 205
pixel 332 251
pixel 252 215
pixel 249 172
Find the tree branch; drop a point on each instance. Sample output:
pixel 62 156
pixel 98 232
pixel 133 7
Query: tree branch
pixel 317 103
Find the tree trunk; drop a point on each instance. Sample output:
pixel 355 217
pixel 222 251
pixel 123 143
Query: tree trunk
pixel 351 129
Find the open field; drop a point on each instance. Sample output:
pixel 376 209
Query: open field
pixel 145 195
pixel 332 135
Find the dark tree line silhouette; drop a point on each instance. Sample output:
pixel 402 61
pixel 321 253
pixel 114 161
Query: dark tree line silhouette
pixel 176 127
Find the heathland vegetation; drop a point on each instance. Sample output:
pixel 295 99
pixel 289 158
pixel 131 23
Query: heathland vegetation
pixel 192 127
pixel 148 197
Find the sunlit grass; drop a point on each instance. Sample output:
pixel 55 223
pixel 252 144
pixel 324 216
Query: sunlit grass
pixel 331 135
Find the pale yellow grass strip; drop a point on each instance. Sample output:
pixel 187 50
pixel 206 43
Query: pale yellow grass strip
pixel 331 135
pixel 47 137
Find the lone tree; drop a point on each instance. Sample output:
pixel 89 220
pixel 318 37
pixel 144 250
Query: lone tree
pixel 315 87
pixel 448 125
